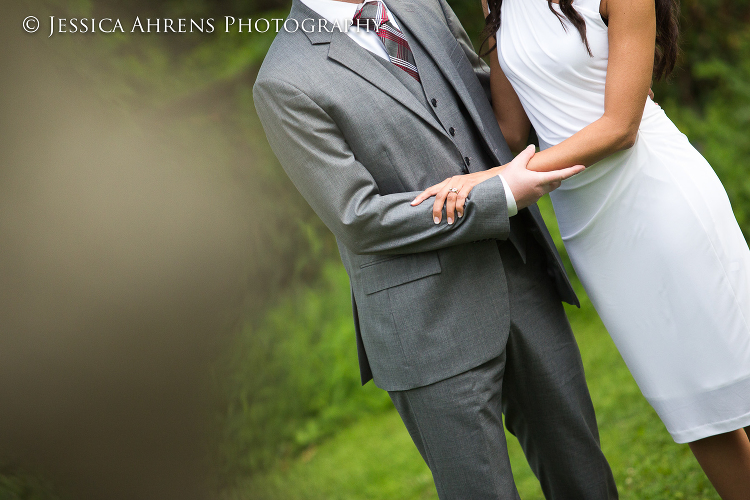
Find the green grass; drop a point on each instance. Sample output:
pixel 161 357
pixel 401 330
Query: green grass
pixel 374 458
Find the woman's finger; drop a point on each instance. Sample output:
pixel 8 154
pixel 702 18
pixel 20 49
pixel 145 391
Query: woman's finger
pixel 437 207
pixel 429 192
pixel 450 204
pixel 461 198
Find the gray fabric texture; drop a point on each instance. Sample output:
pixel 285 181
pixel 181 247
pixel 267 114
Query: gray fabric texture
pixel 430 300
pixel 538 383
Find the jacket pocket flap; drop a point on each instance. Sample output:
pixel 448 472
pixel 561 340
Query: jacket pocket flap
pixel 393 272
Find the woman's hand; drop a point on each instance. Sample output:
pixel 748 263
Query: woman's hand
pixel 453 192
pixel 526 185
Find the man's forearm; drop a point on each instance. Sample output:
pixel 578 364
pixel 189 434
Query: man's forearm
pixel 344 194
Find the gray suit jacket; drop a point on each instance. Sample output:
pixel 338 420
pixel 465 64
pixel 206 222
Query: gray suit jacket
pixel 430 301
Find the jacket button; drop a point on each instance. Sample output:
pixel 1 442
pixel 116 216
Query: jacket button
pixel 452 131
pixel 434 102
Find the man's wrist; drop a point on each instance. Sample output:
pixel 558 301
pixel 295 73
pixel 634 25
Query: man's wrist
pixel 509 198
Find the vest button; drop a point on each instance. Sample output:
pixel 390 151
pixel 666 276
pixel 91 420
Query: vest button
pixel 452 131
pixel 467 161
pixel 434 102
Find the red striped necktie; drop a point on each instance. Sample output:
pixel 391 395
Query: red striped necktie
pixel 374 16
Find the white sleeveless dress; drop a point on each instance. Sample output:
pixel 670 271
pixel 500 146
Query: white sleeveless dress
pixel 649 230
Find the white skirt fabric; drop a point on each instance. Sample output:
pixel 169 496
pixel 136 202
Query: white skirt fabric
pixel 652 236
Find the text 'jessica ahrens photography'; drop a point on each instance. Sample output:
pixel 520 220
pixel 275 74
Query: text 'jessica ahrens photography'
pixel 230 24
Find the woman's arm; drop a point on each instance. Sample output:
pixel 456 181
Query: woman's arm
pixel 632 35
pixel 510 115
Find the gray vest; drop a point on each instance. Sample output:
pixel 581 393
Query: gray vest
pixel 438 95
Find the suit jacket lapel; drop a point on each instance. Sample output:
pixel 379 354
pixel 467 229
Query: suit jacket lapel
pixel 348 53
pixel 345 51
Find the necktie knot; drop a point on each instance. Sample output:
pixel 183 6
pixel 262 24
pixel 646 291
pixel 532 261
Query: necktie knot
pixel 374 16
pixel 371 15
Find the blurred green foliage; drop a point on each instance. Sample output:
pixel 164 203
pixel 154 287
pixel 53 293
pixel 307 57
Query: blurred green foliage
pixel 720 126
pixel 199 88
pixel 708 96
pixel 20 484
pixel 289 379
pixel 292 380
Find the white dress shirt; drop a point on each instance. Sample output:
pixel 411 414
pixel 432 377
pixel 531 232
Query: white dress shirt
pixel 341 13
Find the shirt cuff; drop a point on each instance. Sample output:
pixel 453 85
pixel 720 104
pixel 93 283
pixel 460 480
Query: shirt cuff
pixel 512 208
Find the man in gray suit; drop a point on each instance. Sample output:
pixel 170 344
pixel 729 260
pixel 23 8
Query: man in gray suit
pixel 459 320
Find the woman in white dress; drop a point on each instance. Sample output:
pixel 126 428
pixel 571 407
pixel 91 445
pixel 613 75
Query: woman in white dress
pixel 648 226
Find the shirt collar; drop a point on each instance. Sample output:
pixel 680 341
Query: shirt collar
pixel 333 11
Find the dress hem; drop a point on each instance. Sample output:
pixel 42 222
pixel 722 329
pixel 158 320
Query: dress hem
pixel 709 430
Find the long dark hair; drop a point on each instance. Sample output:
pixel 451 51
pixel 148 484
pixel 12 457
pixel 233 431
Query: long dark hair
pixel 667 30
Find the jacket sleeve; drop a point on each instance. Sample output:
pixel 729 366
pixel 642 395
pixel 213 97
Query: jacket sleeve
pixel 315 155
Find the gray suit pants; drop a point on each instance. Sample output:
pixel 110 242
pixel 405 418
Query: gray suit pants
pixel 538 383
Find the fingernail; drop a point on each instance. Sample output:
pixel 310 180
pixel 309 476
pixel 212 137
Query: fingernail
pixel 450 221
pixel 436 220
pixel 460 215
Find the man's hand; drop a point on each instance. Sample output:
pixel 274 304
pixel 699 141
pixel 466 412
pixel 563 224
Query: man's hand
pixel 526 185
